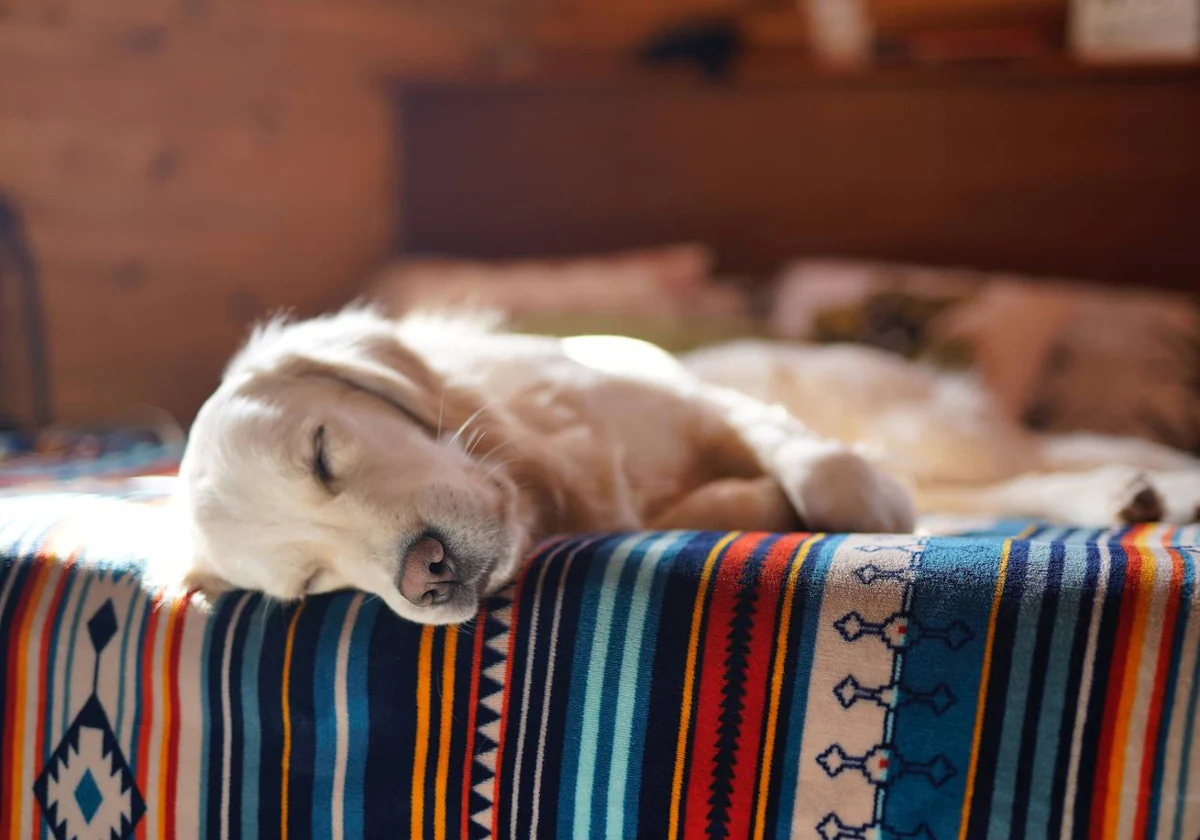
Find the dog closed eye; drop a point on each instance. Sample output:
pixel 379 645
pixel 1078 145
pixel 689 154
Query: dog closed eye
pixel 320 461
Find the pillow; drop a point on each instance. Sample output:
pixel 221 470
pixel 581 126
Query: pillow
pixel 666 295
pixel 1059 355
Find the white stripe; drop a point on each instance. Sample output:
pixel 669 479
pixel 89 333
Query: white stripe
pixel 532 645
pixel 341 705
pixel 540 759
pixel 227 712
pixel 1085 687
pixel 133 660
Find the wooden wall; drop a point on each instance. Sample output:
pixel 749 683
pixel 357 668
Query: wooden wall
pixel 185 166
pixel 1049 170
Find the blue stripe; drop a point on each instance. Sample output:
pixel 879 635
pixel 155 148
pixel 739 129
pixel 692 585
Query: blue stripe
pixel 1022 647
pixel 570 778
pixel 358 711
pixel 325 708
pixel 633 686
pixel 609 623
pixel 136 731
pixel 1055 697
pixel 251 756
pixel 809 601
pixel 1189 729
pixel 70 662
pixel 136 596
pixel 206 723
pixel 641 709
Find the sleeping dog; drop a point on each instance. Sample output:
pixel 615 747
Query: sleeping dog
pixel 420 459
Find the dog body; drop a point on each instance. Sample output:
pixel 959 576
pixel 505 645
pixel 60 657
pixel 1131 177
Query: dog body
pixel 419 460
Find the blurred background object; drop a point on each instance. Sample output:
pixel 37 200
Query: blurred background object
pixel 184 167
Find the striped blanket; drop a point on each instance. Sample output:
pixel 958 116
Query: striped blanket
pixel 1010 682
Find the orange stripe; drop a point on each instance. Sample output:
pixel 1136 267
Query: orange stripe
pixel 981 701
pixel 689 682
pixel 146 725
pixel 446 710
pixel 1158 699
pixel 1129 685
pixel 287 722
pixel 785 623
pixel 424 701
pixel 17 686
pixel 45 679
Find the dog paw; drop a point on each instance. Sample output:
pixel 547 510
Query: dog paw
pixel 1144 503
pixel 1180 495
pixel 837 490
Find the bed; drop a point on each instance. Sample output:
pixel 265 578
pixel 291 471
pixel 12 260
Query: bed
pixel 997 679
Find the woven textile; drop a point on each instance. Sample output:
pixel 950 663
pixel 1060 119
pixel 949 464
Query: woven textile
pixel 1017 682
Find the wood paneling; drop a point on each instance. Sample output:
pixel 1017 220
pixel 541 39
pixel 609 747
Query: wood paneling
pixel 1060 172
pixel 187 166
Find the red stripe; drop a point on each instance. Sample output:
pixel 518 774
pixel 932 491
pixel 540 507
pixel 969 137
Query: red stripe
pixel 758 677
pixel 44 679
pixel 1116 680
pixel 11 759
pixel 146 724
pixel 727 576
pixel 1158 699
pixel 176 643
pixel 472 707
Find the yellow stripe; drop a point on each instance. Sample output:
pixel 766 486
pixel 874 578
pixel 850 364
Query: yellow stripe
pixel 447 712
pixel 287 722
pixel 785 623
pixel 424 700
pixel 981 701
pixel 1129 688
pixel 689 682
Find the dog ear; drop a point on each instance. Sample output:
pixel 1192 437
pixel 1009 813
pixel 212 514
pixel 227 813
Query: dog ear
pixel 381 367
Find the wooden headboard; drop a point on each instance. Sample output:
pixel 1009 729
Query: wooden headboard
pixel 1059 170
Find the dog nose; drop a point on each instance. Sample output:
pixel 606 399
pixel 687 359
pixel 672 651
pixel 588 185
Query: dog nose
pixel 427 576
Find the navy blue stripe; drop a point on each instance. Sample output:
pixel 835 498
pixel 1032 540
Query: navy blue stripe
pixel 275 618
pixel 666 701
pixel 997 688
pixel 1066 733
pixel 392 704
pixel 214 756
pixel 1110 608
pixel 1037 688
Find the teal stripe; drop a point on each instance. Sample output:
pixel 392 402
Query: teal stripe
pixel 633 685
pixel 136 596
pixel 641 709
pixel 808 603
pixel 589 732
pixel 251 757
pixel 1022 646
pixel 1054 698
pixel 70 662
pixel 358 711
pixel 325 710
pixel 580 669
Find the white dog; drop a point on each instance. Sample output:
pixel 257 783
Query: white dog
pixel 419 460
